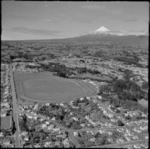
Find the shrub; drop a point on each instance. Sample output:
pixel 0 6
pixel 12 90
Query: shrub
pixel 145 85
pixel 120 123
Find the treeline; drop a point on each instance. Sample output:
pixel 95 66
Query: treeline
pixel 64 71
pixel 81 70
pixel 60 69
pixel 129 60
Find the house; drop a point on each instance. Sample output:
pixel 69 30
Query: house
pixel 135 137
pixel 121 140
pixel 37 145
pixel 57 143
pixel 92 139
pixel 75 134
pixel 128 138
pixel 43 125
pixel 26 138
pixel 1 134
pixel 110 133
pixel 136 146
pixel 29 116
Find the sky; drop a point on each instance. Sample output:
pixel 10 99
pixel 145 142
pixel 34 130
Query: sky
pixel 23 20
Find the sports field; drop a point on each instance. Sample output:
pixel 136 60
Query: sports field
pixel 44 87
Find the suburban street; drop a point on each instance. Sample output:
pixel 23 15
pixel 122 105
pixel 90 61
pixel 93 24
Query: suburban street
pixel 74 141
pixel 15 109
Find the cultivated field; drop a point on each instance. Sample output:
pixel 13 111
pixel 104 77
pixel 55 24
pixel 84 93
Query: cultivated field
pixel 44 87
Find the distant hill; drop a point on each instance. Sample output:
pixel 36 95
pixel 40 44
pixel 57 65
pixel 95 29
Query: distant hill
pixel 129 39
pixel 105 35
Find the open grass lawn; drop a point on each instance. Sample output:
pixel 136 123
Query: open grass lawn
pixel 44 87
pixel 6 122
pixel 144 103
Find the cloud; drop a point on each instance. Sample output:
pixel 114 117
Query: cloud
pixel 94 7
pixel 101 7
pixel 32 18
pixel 26 18
pixel 35 31
pixel 130 19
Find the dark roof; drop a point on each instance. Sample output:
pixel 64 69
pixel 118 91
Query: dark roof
pixel 6 122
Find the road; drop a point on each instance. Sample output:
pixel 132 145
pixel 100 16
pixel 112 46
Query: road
pixel 15 107
pixel 119 145
pixel 70 131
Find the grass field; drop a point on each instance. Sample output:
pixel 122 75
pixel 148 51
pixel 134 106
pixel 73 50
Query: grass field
pixel 44 87
pixel 144 103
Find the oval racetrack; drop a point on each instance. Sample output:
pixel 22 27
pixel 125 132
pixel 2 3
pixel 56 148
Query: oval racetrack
pixel 44 87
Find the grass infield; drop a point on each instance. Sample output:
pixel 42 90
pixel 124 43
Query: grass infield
pixel 44 87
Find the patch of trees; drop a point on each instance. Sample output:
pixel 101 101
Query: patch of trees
pixel 127 104
pixel 60 69
pixel 32 67
pixel 116 135
pixel 81 70
pixel 128 94
pixel 100 53
pixel 120 123
pixel 129 60
pixel 128 90
pixel 145 85
pixel 101 139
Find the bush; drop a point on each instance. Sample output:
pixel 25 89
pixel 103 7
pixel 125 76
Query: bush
pixel 62 74
pixel 120 123
pixel 82 70
pixel 145 85
pixel 119 86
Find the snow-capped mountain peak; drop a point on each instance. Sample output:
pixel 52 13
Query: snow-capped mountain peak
pixel 102 29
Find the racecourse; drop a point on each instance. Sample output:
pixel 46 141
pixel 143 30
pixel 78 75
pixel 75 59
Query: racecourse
pixel 44 87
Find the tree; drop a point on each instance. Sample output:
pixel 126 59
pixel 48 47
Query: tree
pixel 104 88
pixel 145 85
pixel 127 74
pixel 120 123
pixel 76 125
pixel 102 140
pixel 82 70
pixel 62 74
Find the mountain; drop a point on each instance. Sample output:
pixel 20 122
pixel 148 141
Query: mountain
pixel 104 31
pixel 101 30
pixel 103 34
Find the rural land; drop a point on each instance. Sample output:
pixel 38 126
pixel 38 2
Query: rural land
pixel 82 92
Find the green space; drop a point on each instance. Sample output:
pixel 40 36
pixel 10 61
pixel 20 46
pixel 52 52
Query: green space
pixel 44 86
pixel 6 122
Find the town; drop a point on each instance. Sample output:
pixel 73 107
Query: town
pixel 84 122
pixel 74 74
